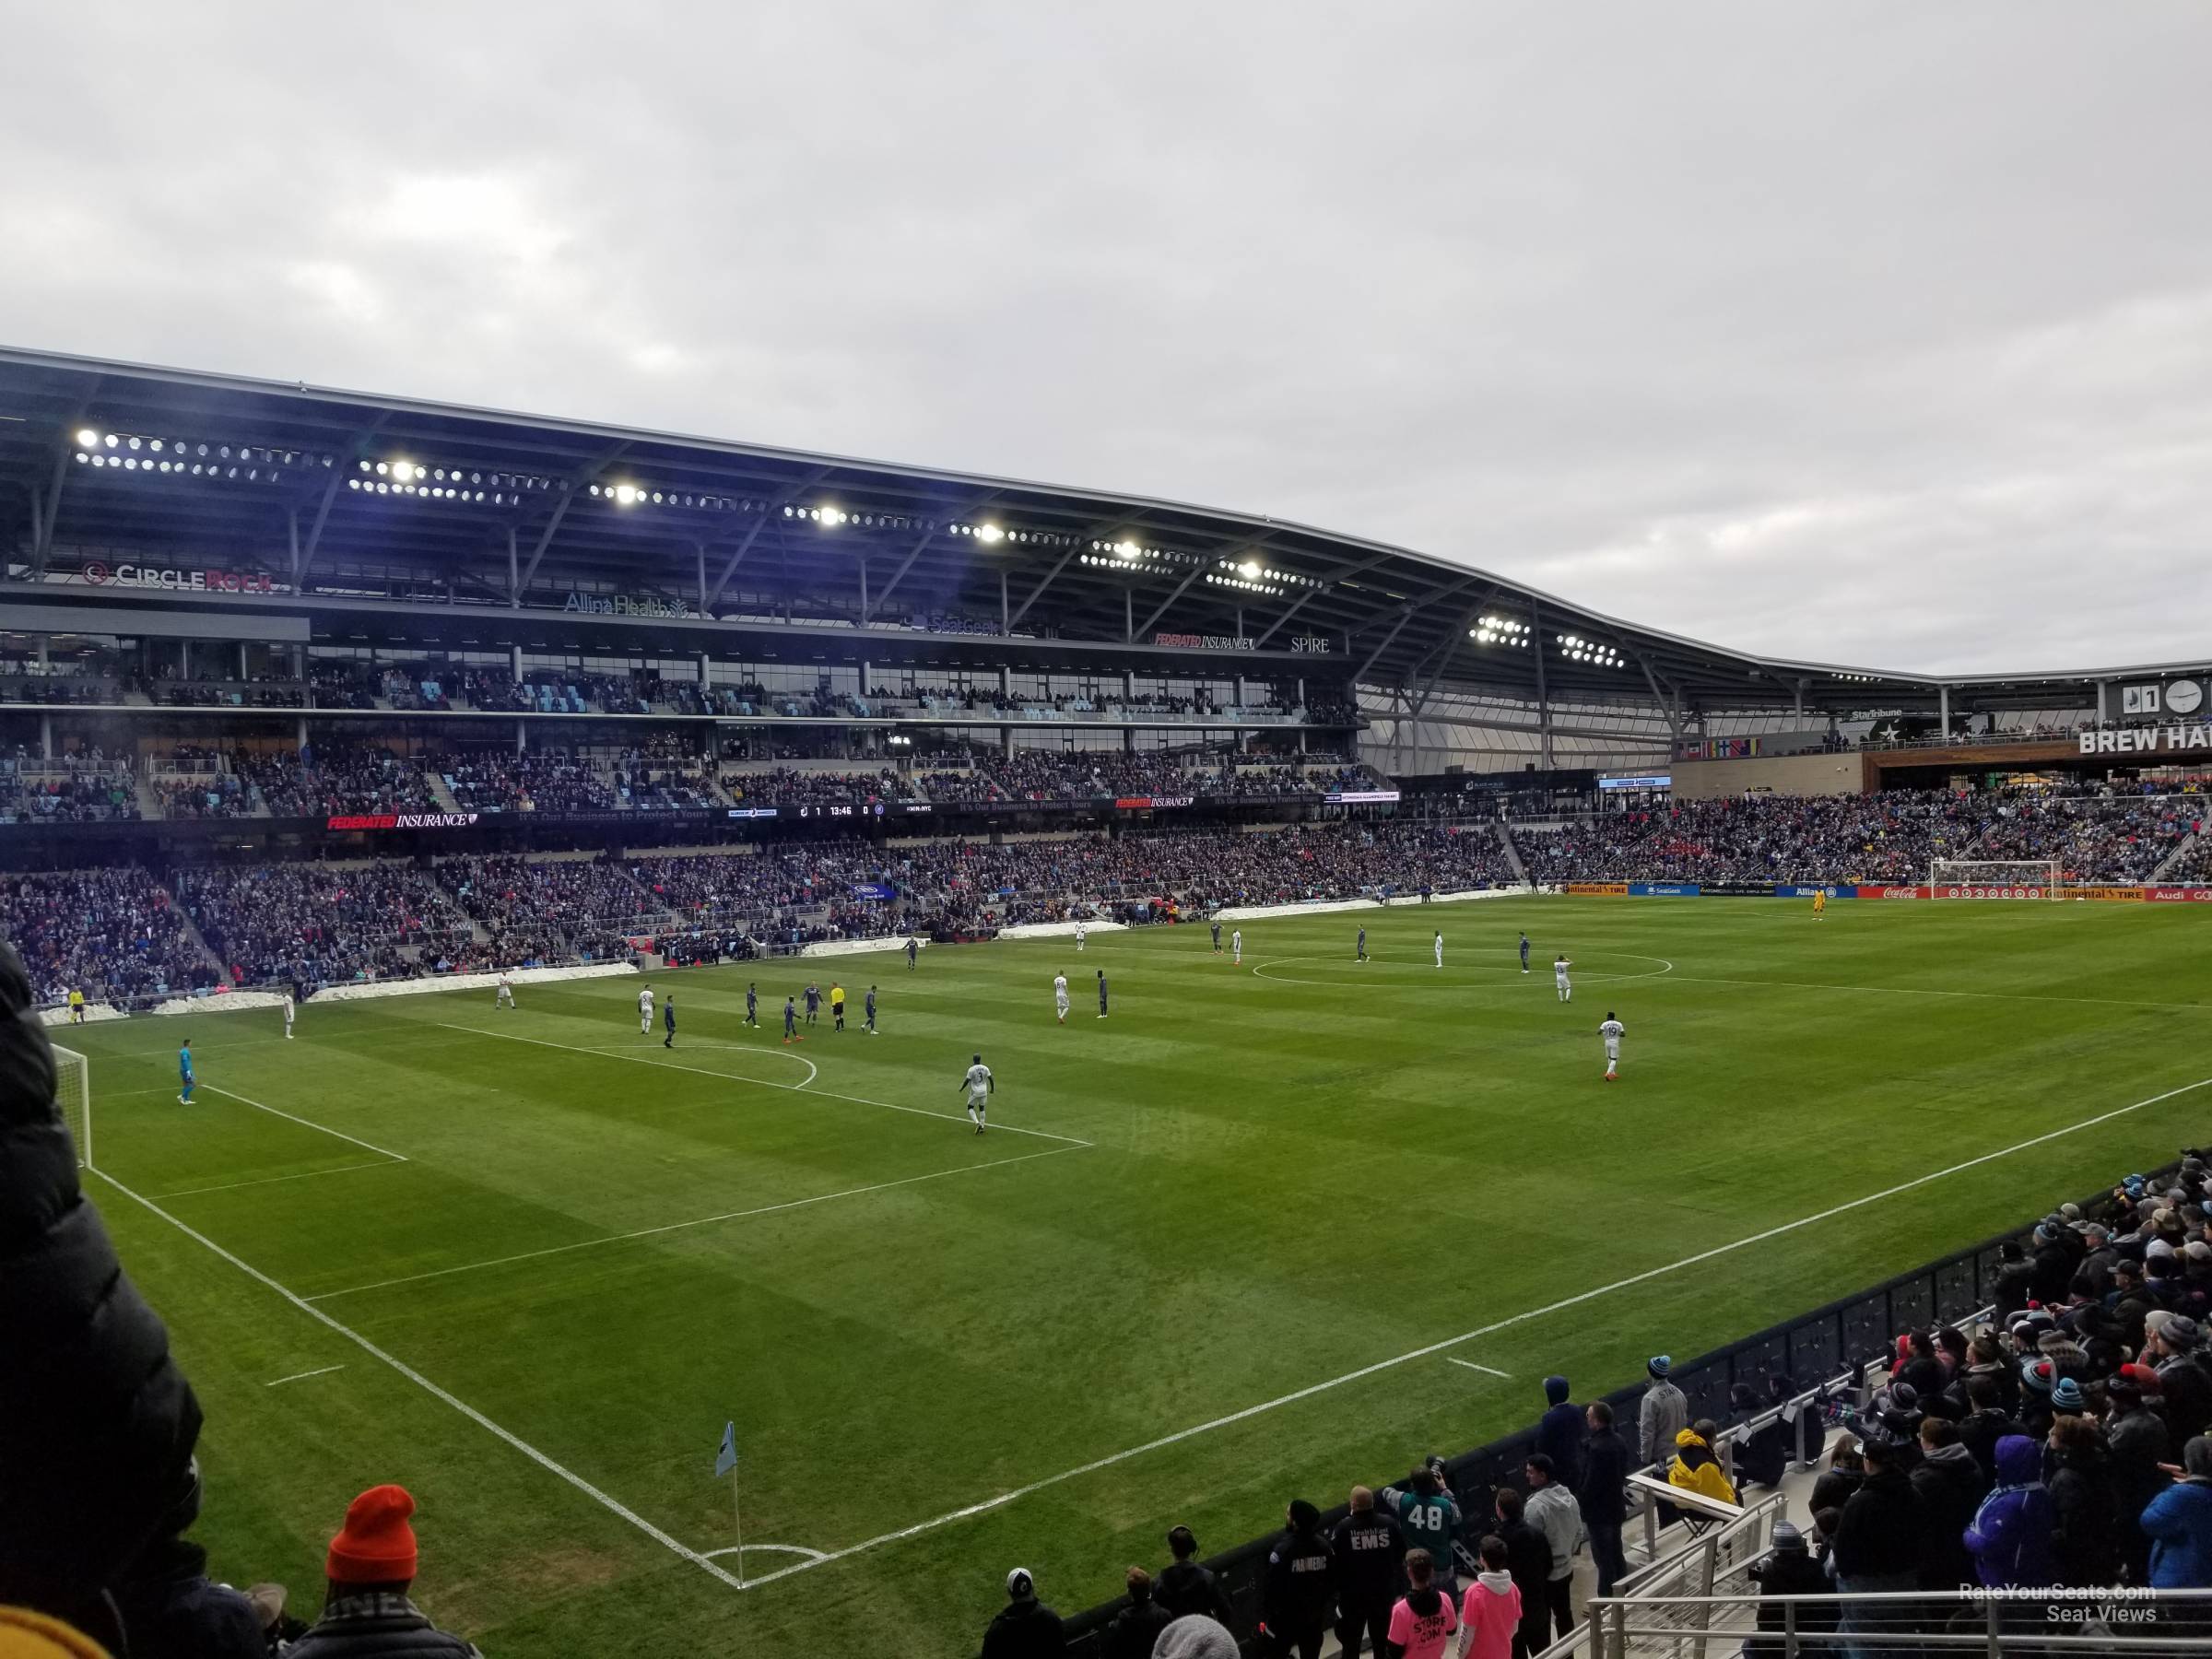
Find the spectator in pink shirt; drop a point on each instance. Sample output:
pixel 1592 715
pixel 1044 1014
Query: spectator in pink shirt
pixel 1423 1621
pixel 1491 1614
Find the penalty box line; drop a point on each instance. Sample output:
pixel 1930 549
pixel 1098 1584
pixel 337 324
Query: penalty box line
pixel 669 1227
pixel 611 1505
pixel 232 1094
pixel 1433 1349
pixel 829 1094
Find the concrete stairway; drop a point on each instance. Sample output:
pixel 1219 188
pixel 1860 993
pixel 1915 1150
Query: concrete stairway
pixel 2173 858
pixel 1512 854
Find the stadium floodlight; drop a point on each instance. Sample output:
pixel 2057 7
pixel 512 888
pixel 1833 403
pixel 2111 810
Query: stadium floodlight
pixel 403 471
pixel 1249 569
pixel 625 495
pixel 86 438
pixel 990 532
pixel 831 517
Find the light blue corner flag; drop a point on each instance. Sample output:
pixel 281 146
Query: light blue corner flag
pixel 726 1459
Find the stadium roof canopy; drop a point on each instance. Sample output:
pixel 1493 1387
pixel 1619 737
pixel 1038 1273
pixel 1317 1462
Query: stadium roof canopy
pixel 313 483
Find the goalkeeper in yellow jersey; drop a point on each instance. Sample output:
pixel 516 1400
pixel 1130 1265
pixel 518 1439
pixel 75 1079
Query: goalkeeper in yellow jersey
pixel 1820 901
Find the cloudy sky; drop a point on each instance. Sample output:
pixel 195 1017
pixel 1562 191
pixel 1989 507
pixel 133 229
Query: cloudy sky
pixel 1871 333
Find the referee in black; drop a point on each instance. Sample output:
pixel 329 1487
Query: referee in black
pixel 1101 994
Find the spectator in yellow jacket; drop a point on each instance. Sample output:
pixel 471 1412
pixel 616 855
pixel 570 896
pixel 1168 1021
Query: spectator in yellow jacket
pixel 1695 1468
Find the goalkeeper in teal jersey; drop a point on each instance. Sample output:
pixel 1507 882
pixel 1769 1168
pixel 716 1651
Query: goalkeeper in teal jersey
pixel 186 1082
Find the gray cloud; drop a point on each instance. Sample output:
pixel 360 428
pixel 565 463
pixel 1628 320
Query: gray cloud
pixel 1878 333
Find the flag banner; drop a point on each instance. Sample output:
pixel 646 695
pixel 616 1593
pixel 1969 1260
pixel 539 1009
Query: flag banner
pixel 726 1459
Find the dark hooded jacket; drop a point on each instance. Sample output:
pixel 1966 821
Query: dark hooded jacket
pixel 1949 1483
pixel 97 1424
pixel 1559 1434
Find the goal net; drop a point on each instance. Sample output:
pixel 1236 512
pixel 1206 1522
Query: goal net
pixel 73 1093
pixel 1995 878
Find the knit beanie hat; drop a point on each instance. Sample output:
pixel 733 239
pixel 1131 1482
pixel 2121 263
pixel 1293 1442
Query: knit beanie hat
pixel 2039 1374
pixel 1194 1635
pixel 1660 1365
pixel 1303 1515
pixel 376 1545
pixel 1787 1536
pixel 2067 1397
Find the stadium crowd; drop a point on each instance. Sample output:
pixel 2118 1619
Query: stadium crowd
pixel 81 785
pixel 540 781
pixel 1893 836
pixel 311 925
pixel 535 913
pixel 108 933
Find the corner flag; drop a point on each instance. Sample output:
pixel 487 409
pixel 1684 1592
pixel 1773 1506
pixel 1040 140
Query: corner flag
pixel 726 1459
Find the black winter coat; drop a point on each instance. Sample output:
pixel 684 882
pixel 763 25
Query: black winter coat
pixel 1949 1486
pixel 1880 1534
pixel 384 1626
pixel 2085 1539
pixel 1299 1585
pixel 1184 1587
pixel 1024 1630
pixel 97 1424
pixel 1604 1492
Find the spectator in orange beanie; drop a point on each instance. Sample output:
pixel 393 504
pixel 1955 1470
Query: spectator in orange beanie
pixel 371 1568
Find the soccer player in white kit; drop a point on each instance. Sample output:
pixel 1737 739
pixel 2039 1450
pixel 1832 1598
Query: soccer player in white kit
pixel 1082 932
pixel 1439 951
pixel 1236 949
pixel 291 1010
pixel 1559 965
pixel 1060 995
pixel 506 996
pixel 980 1086
pixel 645 1012
pixel 1612 1031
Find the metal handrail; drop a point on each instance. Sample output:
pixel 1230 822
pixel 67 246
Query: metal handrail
pixel 1610 1626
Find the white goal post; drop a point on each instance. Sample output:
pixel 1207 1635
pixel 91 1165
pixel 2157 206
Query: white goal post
pixel 73 1094
pixel 1996 879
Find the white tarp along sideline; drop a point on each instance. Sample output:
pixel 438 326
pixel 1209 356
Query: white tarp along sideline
pixel 1322 907
pixel 462 982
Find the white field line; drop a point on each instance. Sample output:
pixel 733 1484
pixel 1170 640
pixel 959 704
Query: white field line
pixel 436 1393
pixel 309 1122
pixel 648 1232
pixel 1312 1389
pixel 2026 997
pixel 825 1094
pixel 743 1549
pixel 1486 1371
pixel 231 1186
pixel 736 1048
pixel 302 1376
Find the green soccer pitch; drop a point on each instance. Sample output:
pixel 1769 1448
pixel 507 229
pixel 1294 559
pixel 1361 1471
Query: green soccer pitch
pixel 1263 1232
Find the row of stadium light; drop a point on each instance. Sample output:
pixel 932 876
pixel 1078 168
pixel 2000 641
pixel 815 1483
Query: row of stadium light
pixel 1579 650
pixel 994 534
pixel 1499 630
pixel 137 452
pixel 426 482
pixel 1127 556
pixel 1249 576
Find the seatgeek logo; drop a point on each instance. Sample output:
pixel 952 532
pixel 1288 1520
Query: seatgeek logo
pixel 175 580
